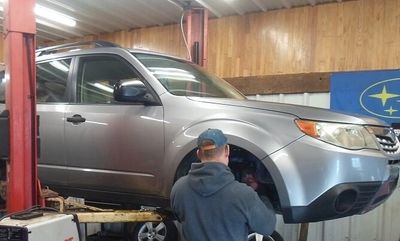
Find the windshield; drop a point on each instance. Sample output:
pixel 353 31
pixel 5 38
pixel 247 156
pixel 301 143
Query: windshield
pixel 186 79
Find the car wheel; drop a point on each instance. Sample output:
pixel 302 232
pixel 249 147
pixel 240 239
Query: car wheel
pixel 275 236
pixel 155 231
pixel 185 165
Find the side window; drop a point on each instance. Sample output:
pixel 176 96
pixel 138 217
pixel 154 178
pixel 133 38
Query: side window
pixel 97 76
pixel 51 78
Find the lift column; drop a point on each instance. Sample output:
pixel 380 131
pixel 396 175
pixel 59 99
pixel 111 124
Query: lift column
pixel 196 34
pixel 20 29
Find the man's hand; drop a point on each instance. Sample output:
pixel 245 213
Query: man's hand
pixel 251 181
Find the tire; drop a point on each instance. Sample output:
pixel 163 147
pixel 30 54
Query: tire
pixel 185 165
pixel 275 236
pixel 155 231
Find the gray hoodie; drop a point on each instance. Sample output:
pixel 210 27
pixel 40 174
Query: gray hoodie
pixel 212 206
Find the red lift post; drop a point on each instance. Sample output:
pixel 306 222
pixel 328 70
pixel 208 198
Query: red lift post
pixel 20 29
pixel 196 34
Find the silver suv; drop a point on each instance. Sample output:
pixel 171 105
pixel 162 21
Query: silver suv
pixel 120 126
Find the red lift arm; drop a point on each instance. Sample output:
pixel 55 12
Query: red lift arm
pixel 20 29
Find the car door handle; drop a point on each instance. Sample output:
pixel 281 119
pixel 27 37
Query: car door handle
pixel 76 119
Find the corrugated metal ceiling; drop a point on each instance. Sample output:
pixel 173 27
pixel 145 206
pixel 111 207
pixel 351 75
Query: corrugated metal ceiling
pixel 98 16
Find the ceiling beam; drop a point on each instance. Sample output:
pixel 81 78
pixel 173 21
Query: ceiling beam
pixel 106 13
pixel 176 4
pixel 40 36
pixel 37 34
pixel 286 3
pixel 260 5
pixel 211 9
pixel 235 7
pixel 93 25
pixel 84 29
pixel 76 27
pixel 312 2
pixel 160 12
pixel 62 29
pixel 137 18
pixel 62 5
pixel 52 33
pixel 79 16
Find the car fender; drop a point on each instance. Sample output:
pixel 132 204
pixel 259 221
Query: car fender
pixel 260 142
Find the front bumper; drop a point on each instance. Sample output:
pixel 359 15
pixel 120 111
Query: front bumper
pixel 317 181
pixel 343 200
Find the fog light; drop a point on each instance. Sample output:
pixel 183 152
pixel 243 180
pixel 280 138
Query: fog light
pixel 345 201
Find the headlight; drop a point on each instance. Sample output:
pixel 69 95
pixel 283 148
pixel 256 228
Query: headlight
pixel 344 135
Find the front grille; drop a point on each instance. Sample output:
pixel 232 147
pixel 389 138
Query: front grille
pixel 388 145
pixel 387 139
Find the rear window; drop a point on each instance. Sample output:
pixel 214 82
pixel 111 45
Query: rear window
pixel 51 81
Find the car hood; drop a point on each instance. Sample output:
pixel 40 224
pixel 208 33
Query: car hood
pixel 303 112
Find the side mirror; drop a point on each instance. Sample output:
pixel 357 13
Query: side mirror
pixel 132 91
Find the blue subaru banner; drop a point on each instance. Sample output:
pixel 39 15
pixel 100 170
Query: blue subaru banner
pixel 373 93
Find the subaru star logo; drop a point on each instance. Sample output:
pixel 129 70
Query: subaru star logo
pixel 382 99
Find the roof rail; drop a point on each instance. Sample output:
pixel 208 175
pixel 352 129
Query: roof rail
pixel 54 49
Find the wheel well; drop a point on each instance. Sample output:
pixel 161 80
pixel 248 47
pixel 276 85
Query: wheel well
pixel 244 165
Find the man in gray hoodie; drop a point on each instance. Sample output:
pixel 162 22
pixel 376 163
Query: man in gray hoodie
pixel 210 204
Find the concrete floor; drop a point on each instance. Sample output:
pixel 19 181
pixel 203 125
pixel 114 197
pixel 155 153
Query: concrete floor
pixel 105 237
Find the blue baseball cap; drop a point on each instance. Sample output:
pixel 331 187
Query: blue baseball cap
pixel 215 136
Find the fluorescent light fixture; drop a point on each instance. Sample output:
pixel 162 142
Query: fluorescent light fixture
pixel 55 16
pixel 50 14
pixel 58 65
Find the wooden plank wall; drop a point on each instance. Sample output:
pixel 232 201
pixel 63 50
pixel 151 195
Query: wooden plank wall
pixel 352 35
pixel 165 39
pixel 272 84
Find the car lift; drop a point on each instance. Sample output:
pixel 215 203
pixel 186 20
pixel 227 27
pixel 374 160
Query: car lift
pixel 23 190
pixel 90 214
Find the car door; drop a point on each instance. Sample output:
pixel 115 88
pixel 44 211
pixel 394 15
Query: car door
pixel 53 96
pixel 112 146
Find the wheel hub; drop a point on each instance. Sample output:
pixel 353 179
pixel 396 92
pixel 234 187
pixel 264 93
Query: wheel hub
pixel 151 234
